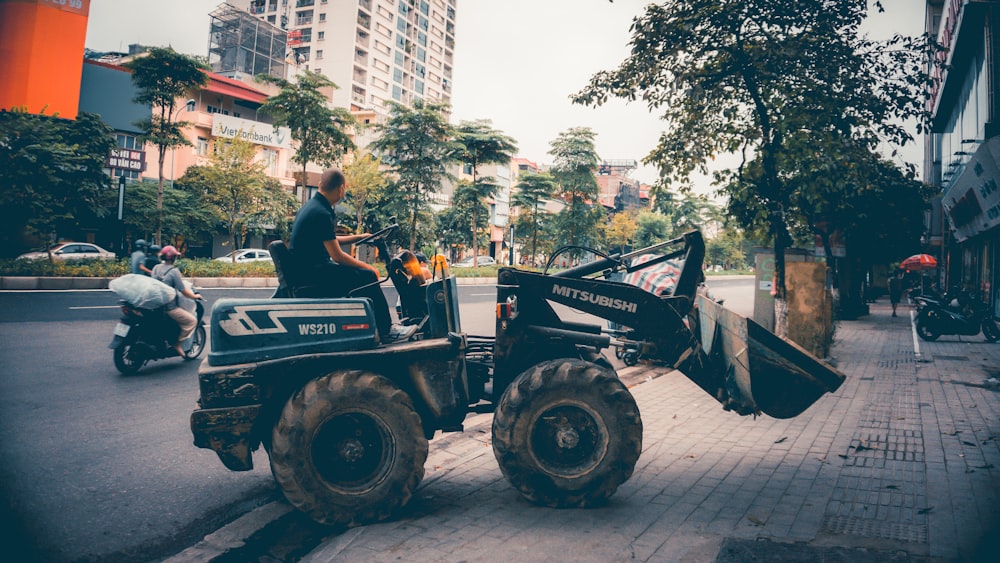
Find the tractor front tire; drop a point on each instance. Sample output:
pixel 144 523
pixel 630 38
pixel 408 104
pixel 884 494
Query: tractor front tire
pixel 348 448
pixel 567 433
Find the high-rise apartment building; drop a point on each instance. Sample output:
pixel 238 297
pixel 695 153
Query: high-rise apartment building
pixel 374 50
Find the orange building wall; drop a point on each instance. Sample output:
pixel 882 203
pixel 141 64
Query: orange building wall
pixel 41 54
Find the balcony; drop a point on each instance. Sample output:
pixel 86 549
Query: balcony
pixel 304 3
pixel 364 20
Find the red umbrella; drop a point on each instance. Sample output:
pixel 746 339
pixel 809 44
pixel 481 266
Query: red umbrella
pixel 919 262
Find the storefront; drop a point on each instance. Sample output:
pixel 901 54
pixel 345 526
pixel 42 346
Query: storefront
pixel 972 205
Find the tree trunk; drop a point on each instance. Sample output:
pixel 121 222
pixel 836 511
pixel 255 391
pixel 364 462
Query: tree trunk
pixel 159 198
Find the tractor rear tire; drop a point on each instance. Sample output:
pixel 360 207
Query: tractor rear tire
pixel 348 448
pixel 567 433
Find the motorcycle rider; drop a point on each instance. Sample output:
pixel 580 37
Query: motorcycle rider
pixel 152 257
pixel 138 258
pixel 167 273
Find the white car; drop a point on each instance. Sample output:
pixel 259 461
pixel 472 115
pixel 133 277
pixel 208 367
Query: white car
pixel 71 251
pixel 481 261
pixel 247 255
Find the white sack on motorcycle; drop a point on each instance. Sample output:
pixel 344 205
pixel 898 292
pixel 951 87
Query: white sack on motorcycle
pixel 142 291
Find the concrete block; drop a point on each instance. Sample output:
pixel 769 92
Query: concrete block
pixel 55 283
pixel 90 283
pixel 18 283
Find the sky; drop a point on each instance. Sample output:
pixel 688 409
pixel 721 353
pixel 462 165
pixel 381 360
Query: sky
pixel 516 63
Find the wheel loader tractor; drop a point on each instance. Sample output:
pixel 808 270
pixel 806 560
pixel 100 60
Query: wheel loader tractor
pixel 345 420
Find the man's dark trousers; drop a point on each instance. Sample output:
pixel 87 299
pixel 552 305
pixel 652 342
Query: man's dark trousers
pixel 337 281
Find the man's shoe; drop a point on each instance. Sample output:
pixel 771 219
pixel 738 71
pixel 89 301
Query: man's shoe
pixel 399 333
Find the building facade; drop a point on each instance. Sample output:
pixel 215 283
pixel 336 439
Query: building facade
pixel 374 50
pixel 41 45
pixel 962 152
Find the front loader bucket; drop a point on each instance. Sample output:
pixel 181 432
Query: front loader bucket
pixel 750 369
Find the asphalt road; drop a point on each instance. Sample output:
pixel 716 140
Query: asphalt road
pixel 100 467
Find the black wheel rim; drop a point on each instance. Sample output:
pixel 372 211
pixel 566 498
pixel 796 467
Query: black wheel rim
pixel 130 358
pixel 568 440
pixel 352 450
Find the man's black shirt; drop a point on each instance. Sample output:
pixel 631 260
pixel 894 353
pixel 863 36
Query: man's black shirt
pixel 315 223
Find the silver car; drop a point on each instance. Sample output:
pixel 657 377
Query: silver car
pixel 71 251
pixel 247 255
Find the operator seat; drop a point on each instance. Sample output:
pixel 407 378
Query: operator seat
pixel 289 278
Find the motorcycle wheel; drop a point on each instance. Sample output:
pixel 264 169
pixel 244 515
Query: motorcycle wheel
pixel 925 331
pixel 990 330
pixel 197 343
pixel 127 362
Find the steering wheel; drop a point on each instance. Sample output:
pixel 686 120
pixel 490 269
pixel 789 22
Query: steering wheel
pixel 380 233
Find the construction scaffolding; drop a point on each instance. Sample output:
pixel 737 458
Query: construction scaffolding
pixel 240 44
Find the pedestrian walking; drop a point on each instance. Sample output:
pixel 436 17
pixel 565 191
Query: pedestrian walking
pixel 895 291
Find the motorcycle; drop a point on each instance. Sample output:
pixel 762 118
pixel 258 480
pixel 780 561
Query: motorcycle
pixel 963 316
pixel 144 335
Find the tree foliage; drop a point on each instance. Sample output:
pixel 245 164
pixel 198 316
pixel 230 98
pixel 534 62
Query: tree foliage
pixel 418 145
pixel 161 77
pixel 621 231
pixel 321 130
pixel 744 76
pixel 366 184
pixel 652 228
pixel 575 161
pixel 479 143
pixel 530 195
pixel 235 189
pixel 52 174
pixel 467 208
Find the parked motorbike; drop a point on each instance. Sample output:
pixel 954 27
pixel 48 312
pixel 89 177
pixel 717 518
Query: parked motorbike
pixel 145 335
pixel 964 315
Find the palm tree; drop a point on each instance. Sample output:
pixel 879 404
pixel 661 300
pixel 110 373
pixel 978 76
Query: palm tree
pixel 482 144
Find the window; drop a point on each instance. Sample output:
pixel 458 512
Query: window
pixel 320 35
pixel 270 158
pixel 127 141
pixel 322 17
pixel 213 109
pixel 319 54
pixel 201 149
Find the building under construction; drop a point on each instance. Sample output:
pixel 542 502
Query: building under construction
pixel 240 44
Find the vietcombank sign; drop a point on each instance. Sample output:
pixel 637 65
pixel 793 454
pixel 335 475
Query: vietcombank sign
pixel 252 131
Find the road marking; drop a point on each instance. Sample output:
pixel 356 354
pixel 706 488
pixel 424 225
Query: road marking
pixel 916 341
pixel 481 294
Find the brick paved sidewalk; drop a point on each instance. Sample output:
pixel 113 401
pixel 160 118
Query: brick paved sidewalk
pixel 902 463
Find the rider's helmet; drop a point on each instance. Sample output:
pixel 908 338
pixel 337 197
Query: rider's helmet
pixel 141 243
pixel 169 252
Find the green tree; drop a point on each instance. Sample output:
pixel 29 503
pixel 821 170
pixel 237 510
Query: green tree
pixel 482 144
pixel 530 195
pixel 741 76
pixel 188 218
pixel 454 221
pixel 321 130
pixel 652 228
pixel 234 187
pixel 161 78
pixel 575 162
pixel 417 144
pixel 622 230
pixel 52 174
pixel 726 249
pixel 365 185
